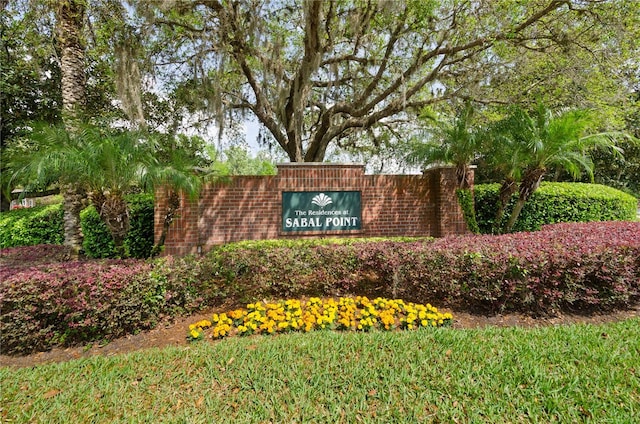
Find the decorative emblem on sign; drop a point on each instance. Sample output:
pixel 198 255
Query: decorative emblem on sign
pixel 321 200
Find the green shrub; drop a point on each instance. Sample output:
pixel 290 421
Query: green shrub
pixel 97 242
pixel 139 241
pixel 465 198
pixel 44 225
pixel 557 202
pixel 304 243
pixel 27 227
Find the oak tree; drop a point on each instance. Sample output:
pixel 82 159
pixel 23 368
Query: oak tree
pixel 318 74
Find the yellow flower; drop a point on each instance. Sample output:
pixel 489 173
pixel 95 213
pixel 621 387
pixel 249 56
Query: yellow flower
pixel 345 313
pixel 237 314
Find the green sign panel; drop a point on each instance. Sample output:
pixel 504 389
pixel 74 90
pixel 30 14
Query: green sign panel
pixel 321 210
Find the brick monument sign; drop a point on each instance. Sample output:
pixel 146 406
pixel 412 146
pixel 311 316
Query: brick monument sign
pixel 314 200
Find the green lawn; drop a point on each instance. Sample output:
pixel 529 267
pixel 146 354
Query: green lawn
pixel 581 373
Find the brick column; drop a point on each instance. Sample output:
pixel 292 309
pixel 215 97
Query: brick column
pixel 159 210
pixel 448 214
pixel 183 235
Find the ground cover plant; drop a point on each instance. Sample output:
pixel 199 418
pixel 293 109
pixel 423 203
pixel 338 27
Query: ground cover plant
pixel 578 373
pixel 345 313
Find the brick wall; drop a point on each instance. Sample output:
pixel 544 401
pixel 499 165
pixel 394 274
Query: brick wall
pixel 250 207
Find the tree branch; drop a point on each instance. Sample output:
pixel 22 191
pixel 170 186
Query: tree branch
pixel 262 108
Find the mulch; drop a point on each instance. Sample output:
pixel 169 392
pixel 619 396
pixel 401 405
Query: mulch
pixel 174 334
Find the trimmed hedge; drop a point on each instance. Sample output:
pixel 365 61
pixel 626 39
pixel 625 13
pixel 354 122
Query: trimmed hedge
pixel 26 227
pixel 579 267
pixel 57 302
pixel 44 225
pixel 139 240
pixel 25 257
pixel 73 302
pixel 556 202
pixel 98 242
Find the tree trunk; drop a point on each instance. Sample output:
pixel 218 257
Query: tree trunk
pixel 69 23
pixel 507 189
pixel 114 212
pixel 173 205
pixel 72 205
pixel 463 176
pixel 514 214
pixel 70 16
pixel 5 202
pixel 529 185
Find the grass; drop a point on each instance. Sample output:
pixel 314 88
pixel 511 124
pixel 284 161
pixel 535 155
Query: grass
pixel 579 373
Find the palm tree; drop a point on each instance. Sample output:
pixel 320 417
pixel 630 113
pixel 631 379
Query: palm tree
pixel 454 143
pixel 507 156
pixel 107 165
pixel 177 175
pixel 116 161
pixel 543 140
pixel 54 156
pixel 70 16
pixel 123 160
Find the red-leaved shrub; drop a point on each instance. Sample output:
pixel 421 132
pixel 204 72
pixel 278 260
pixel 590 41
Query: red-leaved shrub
pixel 65 303
pixel 573 266
pixel 24 257
pixel 72 302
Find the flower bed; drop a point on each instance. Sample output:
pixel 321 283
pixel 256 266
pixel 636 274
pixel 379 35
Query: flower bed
pixel 47 300
pixel 346 313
